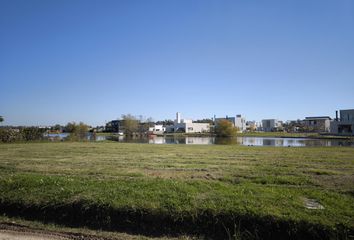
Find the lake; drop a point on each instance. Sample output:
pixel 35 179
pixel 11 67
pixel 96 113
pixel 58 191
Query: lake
pixel 247 141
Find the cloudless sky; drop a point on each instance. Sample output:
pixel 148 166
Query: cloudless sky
pixel 91 60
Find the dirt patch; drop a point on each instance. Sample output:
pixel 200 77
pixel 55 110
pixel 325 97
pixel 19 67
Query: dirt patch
pixel 9 231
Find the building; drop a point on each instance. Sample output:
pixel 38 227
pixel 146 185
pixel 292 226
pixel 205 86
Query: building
pixel 344 125
pixel 187 126
pixel 240 123
pixel 230 119
pixel 271 125
pixel 317 124
pixel 252 126
pixel 157 130
pixel 115 126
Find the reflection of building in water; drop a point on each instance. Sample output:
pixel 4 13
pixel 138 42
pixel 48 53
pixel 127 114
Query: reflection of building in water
pixel 181 140
pixel 268 142
pixel 157 140
pixel 199 140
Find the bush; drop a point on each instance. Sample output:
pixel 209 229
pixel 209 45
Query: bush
pixel 8 135
pixel 32 133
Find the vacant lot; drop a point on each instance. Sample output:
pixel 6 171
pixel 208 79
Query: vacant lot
pixel 247 192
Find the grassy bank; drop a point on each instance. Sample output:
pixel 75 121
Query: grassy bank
pixel 180 189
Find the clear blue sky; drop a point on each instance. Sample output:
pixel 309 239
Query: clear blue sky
pixel 92 61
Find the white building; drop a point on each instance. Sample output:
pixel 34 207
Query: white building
pixel 240 123
pixel 270 125
pixel 157 129
pixel 187 126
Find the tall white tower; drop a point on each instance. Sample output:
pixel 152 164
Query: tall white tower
pixel 178 117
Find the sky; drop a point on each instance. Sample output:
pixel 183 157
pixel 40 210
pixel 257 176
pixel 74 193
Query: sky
pixel 92 61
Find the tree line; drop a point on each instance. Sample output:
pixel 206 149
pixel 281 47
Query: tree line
pixel 78 132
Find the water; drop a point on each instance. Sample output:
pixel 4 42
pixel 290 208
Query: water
pixel 62 136
pixel 247 141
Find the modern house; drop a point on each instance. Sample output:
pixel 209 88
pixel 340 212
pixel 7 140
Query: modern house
pixel 115 126
pixel 317 124
pixel 187 126
pixel 271 125
pixel 344 125
pixel 157 130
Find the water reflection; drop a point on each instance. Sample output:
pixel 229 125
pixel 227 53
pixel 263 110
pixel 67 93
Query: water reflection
pixel 247 141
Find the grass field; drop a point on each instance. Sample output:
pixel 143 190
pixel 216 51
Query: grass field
pixel 233 191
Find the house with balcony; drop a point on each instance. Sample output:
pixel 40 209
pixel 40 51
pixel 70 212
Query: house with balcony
pixel 317 124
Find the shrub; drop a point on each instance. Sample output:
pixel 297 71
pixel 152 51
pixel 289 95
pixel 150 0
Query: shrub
pixel 32 133
pixel 8 135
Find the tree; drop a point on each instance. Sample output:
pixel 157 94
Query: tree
pixel 224 128
pixel 77 132
pixel 70 127
pixel 166 122
pixel 205 120
pixel 56 127
pixel 1 118
pixel 130 124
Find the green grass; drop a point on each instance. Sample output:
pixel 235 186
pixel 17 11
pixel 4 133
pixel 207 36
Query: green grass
pixel 184 182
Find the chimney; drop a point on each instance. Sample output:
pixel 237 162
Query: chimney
pixel 337 116
pixel 178 117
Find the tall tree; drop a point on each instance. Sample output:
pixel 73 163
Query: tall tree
pixel 130 124
pixel 1 118
pixel 77 132
pixel 224 128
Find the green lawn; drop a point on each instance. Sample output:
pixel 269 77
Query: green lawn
pixel 202 185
